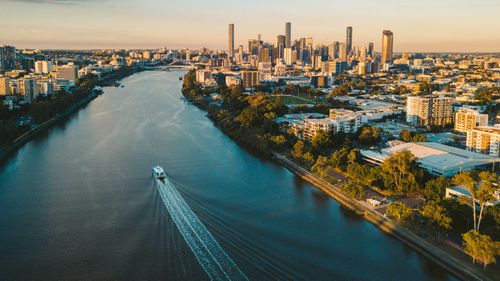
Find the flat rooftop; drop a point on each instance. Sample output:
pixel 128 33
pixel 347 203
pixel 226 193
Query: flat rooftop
pixel 436 157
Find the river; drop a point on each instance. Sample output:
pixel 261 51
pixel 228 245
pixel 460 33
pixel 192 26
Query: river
pixel 78 202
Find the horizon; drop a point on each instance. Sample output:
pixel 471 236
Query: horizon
pixel 113 24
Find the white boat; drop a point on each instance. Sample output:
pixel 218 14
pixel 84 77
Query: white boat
pixel 159 173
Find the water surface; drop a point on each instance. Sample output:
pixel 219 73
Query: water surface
pixel 78 203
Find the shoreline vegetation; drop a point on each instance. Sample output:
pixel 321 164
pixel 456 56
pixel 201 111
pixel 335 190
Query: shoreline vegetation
pixel 48 111
pixel 332 164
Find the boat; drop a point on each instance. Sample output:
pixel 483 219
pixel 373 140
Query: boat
pixel 180 78
pixel 159 173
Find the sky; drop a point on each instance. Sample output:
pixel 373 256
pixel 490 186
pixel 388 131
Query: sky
pixel 423 25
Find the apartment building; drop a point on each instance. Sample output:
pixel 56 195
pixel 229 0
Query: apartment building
pixel 467 119
pixel 484 140
pixel 429 110
pixel 250 78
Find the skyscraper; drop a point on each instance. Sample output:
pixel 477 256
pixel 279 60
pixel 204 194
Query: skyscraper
pixel 387 42
pixel 348 39
pixel 280 45
pixel 230 46
pixel 288 35
pixel 342 52
pixel 253 46
pixel 370 49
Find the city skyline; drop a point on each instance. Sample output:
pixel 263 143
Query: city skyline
pixel 151 24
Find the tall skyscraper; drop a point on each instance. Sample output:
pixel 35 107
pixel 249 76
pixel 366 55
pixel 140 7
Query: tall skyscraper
pixel 288 35
pixel 370 49
pixel 348 39
pixel 253 46
pixel 342 52
pixel 230 46
pixel 280 45
pixel 387 42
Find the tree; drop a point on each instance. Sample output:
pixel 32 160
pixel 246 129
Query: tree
pixel 369 135
pixel 278 141
pixel 480 189
pixel 398 210
pixel 322 166
pixel 401 172
pixel 339 158
pixel 298 150
pixel 408 136
pixel 405 135
pixel 436 214
pixel 481 247
pixel 485 192
pixel 321 140
pixel 435 188
pixel 308 158
pixel 487 94
pixel 354 189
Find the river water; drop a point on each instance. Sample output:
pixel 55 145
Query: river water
pixel 79 203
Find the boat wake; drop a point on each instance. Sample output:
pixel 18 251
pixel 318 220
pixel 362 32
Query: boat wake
pixel 214 260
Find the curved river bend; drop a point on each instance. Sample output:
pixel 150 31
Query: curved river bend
pixel 78 203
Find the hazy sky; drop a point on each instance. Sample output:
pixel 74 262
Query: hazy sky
pixel 423 25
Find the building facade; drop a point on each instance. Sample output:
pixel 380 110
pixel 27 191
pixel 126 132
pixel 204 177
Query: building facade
pixel 387 46
pixel 348 39
pixel 429 111
pixel 230 45
pixel 467 119
pixel 7 58
pixel 28 88
pixel 485 140
pixel 4 86
pixel 68 72
pixel 250 78
pixel 203 75
pixel 288 35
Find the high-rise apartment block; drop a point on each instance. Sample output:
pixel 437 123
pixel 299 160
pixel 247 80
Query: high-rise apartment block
pixel 67 72
pixel 7 58
pixel 250 78
pixel 467 119
pixel 203 75
pixel 4 86
pixel 28 88
pixel 484 140
pixel 429 110
pixel 43 67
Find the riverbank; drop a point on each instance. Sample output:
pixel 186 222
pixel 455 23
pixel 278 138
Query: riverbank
pixel 248 121
pixel 8 150
pixel 454 266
